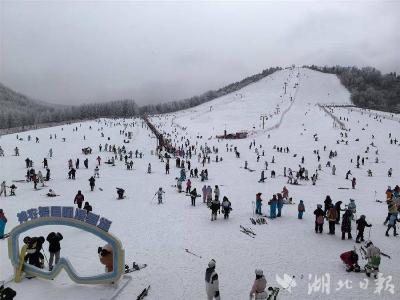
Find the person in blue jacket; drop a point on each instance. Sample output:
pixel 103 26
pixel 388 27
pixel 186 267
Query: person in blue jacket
pixel 258 203
pixel 273 203
pixel 280 204
pixel 3 221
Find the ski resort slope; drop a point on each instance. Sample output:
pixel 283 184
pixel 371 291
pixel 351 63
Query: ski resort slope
pixel 159 234
pixel 241 110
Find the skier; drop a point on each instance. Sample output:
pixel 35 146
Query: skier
pixel 332 217
pixel 40 178
pixel 338 210
pixel 259 285
pixel 350 259
pixel 226 207
pixel 159 195
pixel 273 204
pixel 188 186
pixel 179 185
pixel 3 188
pixel 193 195
pixel 12 189
pixel 3 221
pixel 392 224
pixel 353 183
pixel 98 161
pixel 79 198
pixel 319 219
pixel 204 191
pixel 346 224
pixel 361 224
pixel 216 192
pixel 97 172
pixel 209 195
pixel 47 174
pixel 301 209
pixel 352 207
pixel 215 207
pixel 262 179
pixel 92 183
pixel 120 193
pixel 51 193
pixel 149 168
pixel 87 207
pixel 373 254
pixel 279 204
pixel 212 283
pixel 54 247
pixel 258 204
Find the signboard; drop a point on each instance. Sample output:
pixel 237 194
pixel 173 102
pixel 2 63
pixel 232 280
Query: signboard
pixel 72 217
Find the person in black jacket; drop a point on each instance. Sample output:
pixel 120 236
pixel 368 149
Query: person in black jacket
pixel 87 207
pixel 346 224
pixel 319 219
pixel 361 224
pixel 54 247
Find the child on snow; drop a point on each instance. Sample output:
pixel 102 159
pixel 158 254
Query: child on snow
pixel 301 209
pixel 159 195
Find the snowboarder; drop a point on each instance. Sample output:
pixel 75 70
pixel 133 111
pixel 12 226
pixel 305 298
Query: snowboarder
pixel 301 209
pixel 54 247
pixel 212 282
pixel 92 183
pixel 259 286
pixel 319 219
pixel 361 224
pixel 159 195
pixel 79 198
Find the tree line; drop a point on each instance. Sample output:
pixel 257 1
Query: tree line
pixel 369 88
pixel 18 110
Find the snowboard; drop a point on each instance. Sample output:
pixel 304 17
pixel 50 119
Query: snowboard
pixel 190 252
pixel 144 293
pixel 135 267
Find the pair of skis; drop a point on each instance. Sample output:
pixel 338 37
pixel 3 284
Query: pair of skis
pixel 274 293
pixel 135 267
pixel 248 231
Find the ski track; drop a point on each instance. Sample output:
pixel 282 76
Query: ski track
pixel 158 234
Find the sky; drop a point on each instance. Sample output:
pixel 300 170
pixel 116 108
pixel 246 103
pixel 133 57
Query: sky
pixel 72 52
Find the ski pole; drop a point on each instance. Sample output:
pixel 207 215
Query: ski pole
pixel 369 233
pixel 152 198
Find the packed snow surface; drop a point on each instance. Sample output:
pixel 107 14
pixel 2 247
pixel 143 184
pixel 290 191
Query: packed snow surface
pixel 159 234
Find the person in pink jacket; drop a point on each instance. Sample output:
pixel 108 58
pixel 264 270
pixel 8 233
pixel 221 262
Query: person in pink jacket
pixel 259 285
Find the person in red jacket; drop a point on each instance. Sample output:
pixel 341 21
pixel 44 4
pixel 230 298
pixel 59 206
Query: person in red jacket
pixel 350 259
pixel 79 198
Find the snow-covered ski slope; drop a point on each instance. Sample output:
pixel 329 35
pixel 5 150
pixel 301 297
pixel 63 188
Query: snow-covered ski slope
pixel 159 234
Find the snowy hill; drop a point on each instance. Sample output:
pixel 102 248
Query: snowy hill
pixel 159 234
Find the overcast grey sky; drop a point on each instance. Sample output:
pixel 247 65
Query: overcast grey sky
pixel 85 51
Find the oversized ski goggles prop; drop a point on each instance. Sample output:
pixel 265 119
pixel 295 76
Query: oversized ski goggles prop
pixel 66 216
